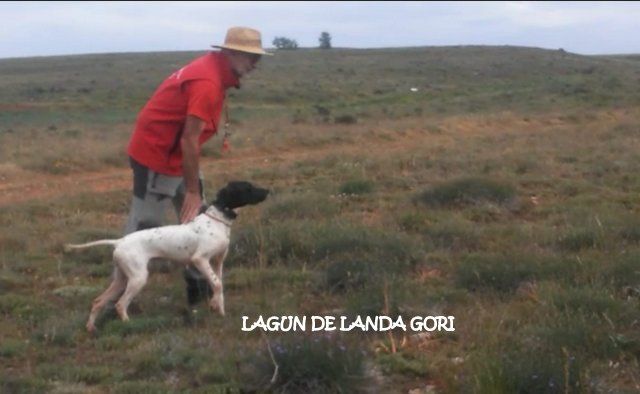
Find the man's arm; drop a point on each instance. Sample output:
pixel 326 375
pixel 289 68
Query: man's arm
pixel 190 166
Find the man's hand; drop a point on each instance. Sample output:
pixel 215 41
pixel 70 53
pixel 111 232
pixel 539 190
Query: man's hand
pixel 190 157
pixel 190 206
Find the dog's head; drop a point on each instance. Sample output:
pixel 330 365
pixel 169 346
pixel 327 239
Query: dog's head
pixel 238 194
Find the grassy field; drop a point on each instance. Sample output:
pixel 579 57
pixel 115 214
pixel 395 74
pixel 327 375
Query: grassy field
pixel 502 190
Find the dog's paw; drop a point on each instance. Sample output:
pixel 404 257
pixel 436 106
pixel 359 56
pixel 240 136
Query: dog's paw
pixel 217 305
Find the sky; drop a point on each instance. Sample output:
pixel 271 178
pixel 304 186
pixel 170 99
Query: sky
pixel 63 28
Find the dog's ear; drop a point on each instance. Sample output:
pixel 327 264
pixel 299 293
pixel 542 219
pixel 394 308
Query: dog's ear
pixel 223 194
pixel 222 198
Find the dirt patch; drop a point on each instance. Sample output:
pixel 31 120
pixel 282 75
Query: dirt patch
pixel 18 185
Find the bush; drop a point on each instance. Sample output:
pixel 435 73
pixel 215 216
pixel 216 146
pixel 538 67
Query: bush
pixel 288 242
pixel 468 191
pixel 345 119
pixel 370 301
pixel 307 242
pixel 580 239
pixel 317 365
pixel 356 187
pixel 25 308
pixel 11 347
pixel 623 272
pixel 285 43
pixel 631 232
pixel 500 273
pixel 396 251
pixel 9 383
pixel 300 206
pixel 453 234
pixel 404 364
pixel 524 369
pixel 346 275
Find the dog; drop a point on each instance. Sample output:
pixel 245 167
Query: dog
pixel 198 242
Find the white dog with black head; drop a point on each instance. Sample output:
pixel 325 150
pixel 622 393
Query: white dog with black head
pixel 198 242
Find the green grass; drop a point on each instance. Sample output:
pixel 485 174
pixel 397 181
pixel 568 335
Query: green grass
pixel 317 364
pixel 468 191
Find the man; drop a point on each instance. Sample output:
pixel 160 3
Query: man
pixel 182 114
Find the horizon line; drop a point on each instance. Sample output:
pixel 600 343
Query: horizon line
pixel 275 50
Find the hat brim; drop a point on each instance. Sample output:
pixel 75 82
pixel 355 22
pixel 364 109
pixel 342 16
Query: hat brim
pixel 240 48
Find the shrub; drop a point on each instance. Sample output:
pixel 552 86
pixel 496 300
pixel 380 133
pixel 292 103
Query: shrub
pixel 623 272
pixel 356 187
pixel 579 240
pixel 12 243
pixel 9 383
pixel 501 273
pixel 396 251
pixel 288 242
pixel 12 347
pixel 521 369
pixel 414 221
pixel 285 43
pixel 317 364
pixel 589 335
pixel 345 275
pixel 60 330
pixel 405 364
pixel 370 302
pixel 309 242
pixel 24 308
pixel 468 191
pixel 345 119
pixel 10 282
pixel 300 206
pixel 631 232
pixel 453 234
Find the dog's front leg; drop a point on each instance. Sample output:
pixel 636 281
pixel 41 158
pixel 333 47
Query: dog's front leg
pixel 202 265
pixel 218 296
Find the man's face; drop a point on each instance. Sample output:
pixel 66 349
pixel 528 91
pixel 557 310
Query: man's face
pixel 243 63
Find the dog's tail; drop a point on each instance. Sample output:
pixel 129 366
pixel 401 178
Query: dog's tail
pixel 69 247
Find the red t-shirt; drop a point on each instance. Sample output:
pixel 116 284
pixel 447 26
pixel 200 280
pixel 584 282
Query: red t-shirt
pixel 197 89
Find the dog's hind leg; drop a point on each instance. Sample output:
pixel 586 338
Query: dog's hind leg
pixel 135 282
pixel 112 293
pixel 217 302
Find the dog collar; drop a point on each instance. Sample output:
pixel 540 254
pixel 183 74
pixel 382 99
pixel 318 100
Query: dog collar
pixel 226 222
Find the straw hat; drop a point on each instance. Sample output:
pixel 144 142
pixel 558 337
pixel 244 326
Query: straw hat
pixel 243 39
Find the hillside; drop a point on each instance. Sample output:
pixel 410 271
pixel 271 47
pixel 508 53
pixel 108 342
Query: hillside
pixel 498 185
